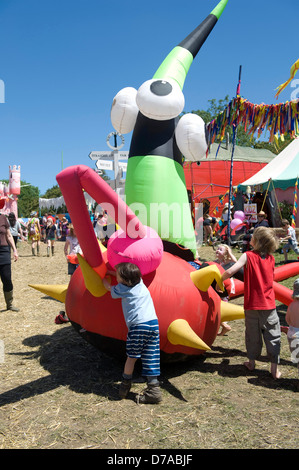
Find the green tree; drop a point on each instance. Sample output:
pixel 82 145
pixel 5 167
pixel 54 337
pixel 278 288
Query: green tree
pixel 53 192
pixel 275 147
pixel 28 200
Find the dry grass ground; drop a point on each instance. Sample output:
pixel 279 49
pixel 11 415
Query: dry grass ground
pixel 58 392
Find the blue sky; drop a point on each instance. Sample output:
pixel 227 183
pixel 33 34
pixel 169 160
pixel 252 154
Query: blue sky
pixel 63 61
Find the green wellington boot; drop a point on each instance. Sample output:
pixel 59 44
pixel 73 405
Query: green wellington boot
pixel 9 301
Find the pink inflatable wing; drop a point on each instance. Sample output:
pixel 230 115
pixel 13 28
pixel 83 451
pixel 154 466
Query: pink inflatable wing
pixel 72 181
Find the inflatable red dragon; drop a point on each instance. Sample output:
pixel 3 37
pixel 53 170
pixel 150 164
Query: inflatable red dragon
pixel 188 309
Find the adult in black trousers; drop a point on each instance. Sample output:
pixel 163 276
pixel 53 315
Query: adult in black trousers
pixel 6 244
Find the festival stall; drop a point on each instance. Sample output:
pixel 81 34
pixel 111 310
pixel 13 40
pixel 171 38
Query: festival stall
pixel 280 177
pixel 208 180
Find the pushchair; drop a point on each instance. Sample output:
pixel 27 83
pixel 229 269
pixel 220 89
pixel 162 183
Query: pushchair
pixel 238 237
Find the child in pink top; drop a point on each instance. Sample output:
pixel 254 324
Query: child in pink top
pixel 261 319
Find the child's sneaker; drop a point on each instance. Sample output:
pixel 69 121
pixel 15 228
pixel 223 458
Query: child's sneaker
pixel 124 388
pixel 152 394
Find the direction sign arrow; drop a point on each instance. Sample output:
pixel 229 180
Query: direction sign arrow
pixel 96 155
pixel 123 155
pixel 104 165
pixel 123 165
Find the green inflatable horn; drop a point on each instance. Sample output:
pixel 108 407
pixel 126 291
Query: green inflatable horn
pixel 155 183
pixel 179 60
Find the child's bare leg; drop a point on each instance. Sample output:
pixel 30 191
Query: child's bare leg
pixel 225 328
pixel 276 374
pixel 125 385
pixel 129 366
pixel 250 365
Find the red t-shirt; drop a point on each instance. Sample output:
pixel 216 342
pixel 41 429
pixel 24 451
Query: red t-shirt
pixel 258 282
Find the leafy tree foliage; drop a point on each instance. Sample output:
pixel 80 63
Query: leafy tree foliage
pixel 28 199
pixel 53 192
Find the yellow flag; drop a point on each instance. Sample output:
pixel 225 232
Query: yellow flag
pixel 294 69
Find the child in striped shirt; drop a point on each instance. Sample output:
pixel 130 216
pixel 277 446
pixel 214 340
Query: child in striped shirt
pixel 143 339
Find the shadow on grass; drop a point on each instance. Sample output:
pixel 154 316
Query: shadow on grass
pixel 73 362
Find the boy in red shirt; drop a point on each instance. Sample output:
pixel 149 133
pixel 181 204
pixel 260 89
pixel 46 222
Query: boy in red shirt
pixel 261 319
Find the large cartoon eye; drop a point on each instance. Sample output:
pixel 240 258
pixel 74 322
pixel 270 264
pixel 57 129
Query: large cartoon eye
pixel 160 99
pixel 124 110
pixel 190 134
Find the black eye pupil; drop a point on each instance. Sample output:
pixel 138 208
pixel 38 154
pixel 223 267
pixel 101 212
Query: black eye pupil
pixel 161 88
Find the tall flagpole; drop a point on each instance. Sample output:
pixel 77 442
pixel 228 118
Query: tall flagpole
pixel 235 125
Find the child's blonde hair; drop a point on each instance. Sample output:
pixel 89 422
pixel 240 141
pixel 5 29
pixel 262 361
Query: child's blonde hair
pixel 264 240
pixel 71 231
pixel 227 254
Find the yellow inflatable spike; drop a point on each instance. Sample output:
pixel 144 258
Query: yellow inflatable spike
pixel 230 312
pixel 58 292
pixel 180 332
pixel 103 248
pixel 204 277
pixel 92 280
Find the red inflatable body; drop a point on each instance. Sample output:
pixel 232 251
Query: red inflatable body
pixel 175 297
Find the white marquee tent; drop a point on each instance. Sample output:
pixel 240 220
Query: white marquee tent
pixel 279 178
pixel 283 170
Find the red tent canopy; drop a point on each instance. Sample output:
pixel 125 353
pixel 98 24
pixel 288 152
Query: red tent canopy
pixel 210 180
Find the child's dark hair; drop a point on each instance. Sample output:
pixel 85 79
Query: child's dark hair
pixel 12 219
pixel 129 272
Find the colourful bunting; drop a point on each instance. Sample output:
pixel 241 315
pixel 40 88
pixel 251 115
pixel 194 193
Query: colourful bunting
pixel 278 119
pixel 295 205
pixel 293 72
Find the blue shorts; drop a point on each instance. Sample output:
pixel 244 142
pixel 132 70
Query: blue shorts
pixel 143 341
